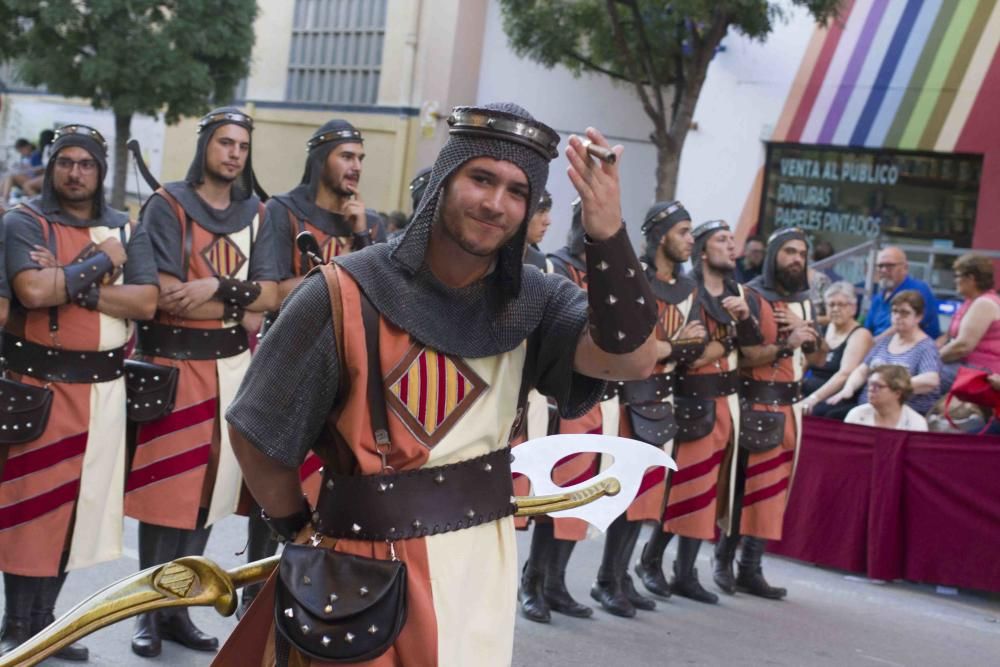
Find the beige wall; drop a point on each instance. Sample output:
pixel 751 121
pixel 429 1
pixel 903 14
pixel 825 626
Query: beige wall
pixel 273 33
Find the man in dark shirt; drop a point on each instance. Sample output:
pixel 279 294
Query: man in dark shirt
pixel 750 264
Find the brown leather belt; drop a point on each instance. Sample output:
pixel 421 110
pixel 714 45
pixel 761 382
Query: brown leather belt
pixel 416 503
pixel 56 364
pixel 654 389
pixel 770 393
pixel 161 340
pixel 708 386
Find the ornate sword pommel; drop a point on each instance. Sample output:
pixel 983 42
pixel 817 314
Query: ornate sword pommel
pixel 535 505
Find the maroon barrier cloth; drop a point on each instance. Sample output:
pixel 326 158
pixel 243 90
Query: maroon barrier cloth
pixel 894 504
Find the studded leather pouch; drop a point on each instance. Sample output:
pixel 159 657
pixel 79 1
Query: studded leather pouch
pixel 760 430
pixel 151 390
pixel 337 607
pixel 24 411
pixel 695 418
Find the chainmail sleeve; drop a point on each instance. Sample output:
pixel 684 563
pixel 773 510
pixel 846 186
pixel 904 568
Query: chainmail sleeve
pixel 290 387
pixel 556 339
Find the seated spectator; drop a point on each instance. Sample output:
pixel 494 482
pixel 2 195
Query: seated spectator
pixel 909 347
pixel 819 282
pixel 751 263
pixel 893 278
pixel 973 339
pixel 888 390
pixel 20 171
pixel 846 342
pixel 821 251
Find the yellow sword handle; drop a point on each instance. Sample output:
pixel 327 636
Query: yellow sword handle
pixel 535 505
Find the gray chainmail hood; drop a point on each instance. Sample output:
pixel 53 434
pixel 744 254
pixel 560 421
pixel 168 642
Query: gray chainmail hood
pixel 660 219
pixel 91 141
pixel 767 282
pixel 330 135
pixel 212 121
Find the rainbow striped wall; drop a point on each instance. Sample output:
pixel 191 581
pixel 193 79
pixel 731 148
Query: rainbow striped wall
pixel 908 74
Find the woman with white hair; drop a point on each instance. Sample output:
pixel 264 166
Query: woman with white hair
pixel 846 342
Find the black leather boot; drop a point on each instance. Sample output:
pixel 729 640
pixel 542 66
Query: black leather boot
pixel 649 567
pixel 608 589
pixel 19 593
pixel 725 553
pixel 175 624
pixel 638 600
pixel 157 544
pixel 146 640
pixel 260 544
pixel 751 575
pixel 530 594
pixel 685 582
pixel 43 614
pixel 554 589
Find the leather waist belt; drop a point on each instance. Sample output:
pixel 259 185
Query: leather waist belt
pixel 57 364
pixel 770 393
pixel 162 340
pixel 416 503
pixel 708 386
pixel 654 389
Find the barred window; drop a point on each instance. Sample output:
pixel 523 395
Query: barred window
pixel 336 53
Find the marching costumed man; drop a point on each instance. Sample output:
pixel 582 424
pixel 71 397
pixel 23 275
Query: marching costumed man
pixel 706 408
pixel 78 276
pixel 770 387
pixel 446 330
pixel 647 405
pixel 325 204
pixel 216 262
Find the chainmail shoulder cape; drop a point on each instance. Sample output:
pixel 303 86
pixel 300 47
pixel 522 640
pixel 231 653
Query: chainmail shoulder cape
pixel 50 210
pixel 300 201
pixel 473 321
pixel 235 217
pixel 534 257
pixel 672 293
pixel 766 284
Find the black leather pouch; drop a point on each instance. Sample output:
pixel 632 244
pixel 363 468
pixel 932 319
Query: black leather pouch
pixel 695 418
pixel 337 607
pixel 24 411
pixel 653 422
pixel 151 390
pixel 760 430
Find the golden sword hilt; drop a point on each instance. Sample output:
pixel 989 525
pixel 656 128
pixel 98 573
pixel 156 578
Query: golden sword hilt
pixel 195 581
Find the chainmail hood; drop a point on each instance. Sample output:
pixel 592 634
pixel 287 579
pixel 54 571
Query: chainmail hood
pixel 330 135
pixel 461 147
pixel 243 187
pixel 660 219
pixel 91 141
pixel 767 282
pixel 576 235
pixel 418 186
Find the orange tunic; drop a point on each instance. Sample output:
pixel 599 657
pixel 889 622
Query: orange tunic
pixel 769 474
pixel 440 410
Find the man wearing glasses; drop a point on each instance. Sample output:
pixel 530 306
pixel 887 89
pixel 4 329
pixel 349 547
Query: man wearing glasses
pixel 894 277
pixel 78 276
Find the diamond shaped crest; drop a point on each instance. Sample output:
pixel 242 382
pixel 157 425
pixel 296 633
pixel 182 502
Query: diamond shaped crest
pixel 224 257
pixel 430 392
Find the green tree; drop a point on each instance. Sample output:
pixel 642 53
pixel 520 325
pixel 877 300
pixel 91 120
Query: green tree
pixel 660 49
pixel 176 57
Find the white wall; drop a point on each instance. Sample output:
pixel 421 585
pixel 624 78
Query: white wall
pixel 741 101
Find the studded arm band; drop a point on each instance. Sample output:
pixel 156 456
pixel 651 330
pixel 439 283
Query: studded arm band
pixel 361 240
pixel 239 292
pixel 81 276
pixel 748 333
pixel 90 298
pixel 622 305
pixel 286 528
pixel 686 352
pixel 233 311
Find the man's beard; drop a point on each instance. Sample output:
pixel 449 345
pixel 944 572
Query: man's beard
pixel 335 187
pixel 790 281
pixel 75 198
pixel 670 253
pixel 719 267
pixel 217 176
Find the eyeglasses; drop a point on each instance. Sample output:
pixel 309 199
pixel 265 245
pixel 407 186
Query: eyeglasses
pixel 885 266
pixel 903 312
pixel 86 165
pixel 838 304
pixel 877 386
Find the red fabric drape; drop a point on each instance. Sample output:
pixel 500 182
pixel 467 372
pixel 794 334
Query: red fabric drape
pixel 893 504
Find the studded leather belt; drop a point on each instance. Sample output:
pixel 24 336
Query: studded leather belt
pixel 163 340
pixel 57 364
pixel 654 389
pixel 707 386
pixel 416 503
pixel 770 393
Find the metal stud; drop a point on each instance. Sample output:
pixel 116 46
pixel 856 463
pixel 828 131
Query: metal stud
pixel 417 524
pixel 612 299
pixel 306 580
pixel 349 637
pixel 621 335
pixel 630 273
pixel 383 487
pixel 602 265
pixel 487 467
pixel 363 591
pixel 439 478
pixel 334 597
pixel 289 612
pixel 305 629
pixel 329 484
pixel 641 301
pixel 355 528
pixel 470 513
pixel 325 641
pixel 372 629
pixel 328 609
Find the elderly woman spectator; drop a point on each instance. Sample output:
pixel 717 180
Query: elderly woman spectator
pixel 908 347
pixel 973 339
pixel 889 388
pixel 846 343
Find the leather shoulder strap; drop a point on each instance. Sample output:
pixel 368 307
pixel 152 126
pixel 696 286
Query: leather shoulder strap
pixel 376 389
pixel 186 223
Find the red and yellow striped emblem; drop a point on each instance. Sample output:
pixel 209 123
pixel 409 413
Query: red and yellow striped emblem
pixel 430 392
pixel 224 257
pixel 336 246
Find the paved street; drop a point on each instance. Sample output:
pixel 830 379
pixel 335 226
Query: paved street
pixel 829 619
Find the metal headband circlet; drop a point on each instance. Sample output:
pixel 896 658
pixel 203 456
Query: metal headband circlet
pixel 781 232
pixel 234 116
pixel 709 226
pixel 335 135
pixel 420 181
pixel 85 130
pixel 662 215
pixel 490 123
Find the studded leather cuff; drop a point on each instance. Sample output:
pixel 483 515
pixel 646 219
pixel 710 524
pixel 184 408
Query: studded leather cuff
pixel 286 528
pixel 361 240
pixel 233 312
pixel 748 333
pixel 90 298
pixel 81 276
pixel 622 305
pixel 784 352
pixel 239 292
pixel 686 353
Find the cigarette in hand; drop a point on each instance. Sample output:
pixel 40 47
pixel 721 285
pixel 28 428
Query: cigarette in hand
pixel 600 152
